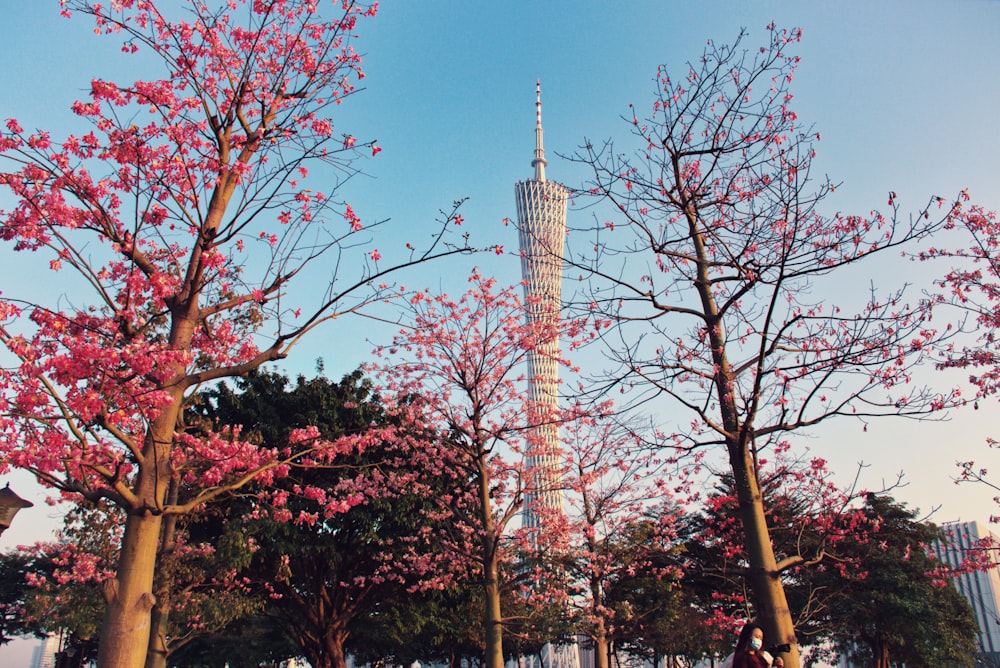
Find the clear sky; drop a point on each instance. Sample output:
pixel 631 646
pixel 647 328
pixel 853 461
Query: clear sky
pixel 905 95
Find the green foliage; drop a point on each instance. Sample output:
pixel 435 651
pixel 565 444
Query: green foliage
pixel 655 616
pixel 892 607
pixel 435 627
pixel 14 593
pixel 249 642
pixel 326 577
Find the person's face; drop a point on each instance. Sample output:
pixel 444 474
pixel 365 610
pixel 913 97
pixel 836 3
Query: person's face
pixel 758 634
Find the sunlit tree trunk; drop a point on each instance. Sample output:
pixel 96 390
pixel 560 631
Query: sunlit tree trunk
pixel 156 656
pixel 125 636
pixel 601 650
pixel 129 597
pixel 492 618
pixel 765 582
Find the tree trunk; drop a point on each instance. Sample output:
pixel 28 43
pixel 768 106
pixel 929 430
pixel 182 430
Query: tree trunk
pixel 880 652
pixel 601 649
pixel 333 651
pixel 156 656
pixel 492 618
pixel 129 597
pixel 337 658
pixel 768 594
pixel 765 581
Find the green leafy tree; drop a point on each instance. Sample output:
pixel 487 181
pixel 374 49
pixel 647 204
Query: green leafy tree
pixel 654 615
pixel 897 606
pixel 199 591
pixel 14 591
pixel 324 573
pixel 248 642
pixel 441 627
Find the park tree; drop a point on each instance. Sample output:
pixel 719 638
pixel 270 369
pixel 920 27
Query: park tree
pixel 15 592
pixel 176 225
pixel 643 598
pixel 199 587
pixel 248 642
pixel 324 573
pixel 456 372
pixel 612 483
pixel 711 258
pixel 438 626
pixel 896 604
pixel 971 285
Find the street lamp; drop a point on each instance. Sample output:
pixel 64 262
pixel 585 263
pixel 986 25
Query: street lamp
pixel 10 503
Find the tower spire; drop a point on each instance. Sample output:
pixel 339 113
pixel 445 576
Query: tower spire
pixel 539 162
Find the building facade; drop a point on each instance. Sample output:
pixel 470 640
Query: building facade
pixel 44 655
pixel 541 215
pixel 980 588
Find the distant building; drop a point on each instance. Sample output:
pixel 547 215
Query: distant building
pixel 541 217
pixel 981 588
pixel 44 655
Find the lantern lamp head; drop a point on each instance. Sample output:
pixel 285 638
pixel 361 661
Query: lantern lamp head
pixel 10 503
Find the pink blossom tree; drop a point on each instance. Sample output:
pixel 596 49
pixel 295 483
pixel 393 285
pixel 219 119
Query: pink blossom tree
pixel 613 484
pixel 457 371
pixel 972 285
pixel 176 225
pixel 711 263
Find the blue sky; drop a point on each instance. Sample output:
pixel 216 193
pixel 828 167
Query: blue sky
pixel 905 95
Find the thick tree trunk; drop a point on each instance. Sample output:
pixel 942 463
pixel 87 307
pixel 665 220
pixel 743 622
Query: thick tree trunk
pixel 156 656
pixel 492 617
pixel 330 651
pixel 337 657
pixel 765 581
pixel 129 597
pixel 601 651
pixel 599 635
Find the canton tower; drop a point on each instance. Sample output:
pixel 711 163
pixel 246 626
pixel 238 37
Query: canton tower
pixel 541 216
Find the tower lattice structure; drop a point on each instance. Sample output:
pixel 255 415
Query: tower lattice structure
pixel 541 214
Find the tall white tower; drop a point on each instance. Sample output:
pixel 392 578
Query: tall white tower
pixel 541 215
